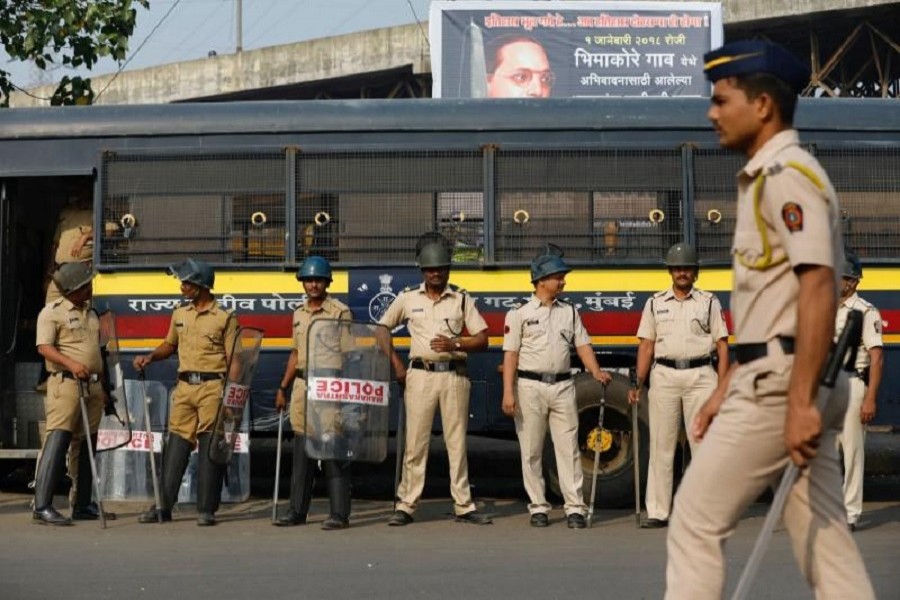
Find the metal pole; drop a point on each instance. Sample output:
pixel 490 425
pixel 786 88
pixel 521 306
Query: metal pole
pixel 238 26
pixel 597 445
pixel 145 401
pixel 90 445
pixel 401 442
pixel 636 446
pixel 277 465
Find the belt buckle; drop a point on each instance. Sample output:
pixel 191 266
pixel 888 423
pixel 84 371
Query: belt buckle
pixel 94 378
pixel 682 363
pixel 194 379
pixel 548 377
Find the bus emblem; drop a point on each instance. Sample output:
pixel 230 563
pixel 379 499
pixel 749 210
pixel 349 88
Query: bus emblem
pixel 380 302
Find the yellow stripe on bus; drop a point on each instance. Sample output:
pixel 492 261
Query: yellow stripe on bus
pixel 149 284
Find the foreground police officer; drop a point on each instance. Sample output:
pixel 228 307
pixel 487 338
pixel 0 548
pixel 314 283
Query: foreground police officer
pixel 679 329
pixel 315 274
pixel 436 314
pixel 68 337
pixel 203 334
pixel 864 382
pixel 537 346
pixel 788 257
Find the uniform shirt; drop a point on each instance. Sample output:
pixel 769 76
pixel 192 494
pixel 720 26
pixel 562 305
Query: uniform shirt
pixel 801 223
pixel 426 319
pixel 202 337
pixel 304 316
pixel 73 223
pixel 74 331
pixel 682 329
pixel 544 335
pixel 871 330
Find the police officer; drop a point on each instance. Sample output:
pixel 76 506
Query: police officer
pixel 73 240
pixel 203 334
pixel 680 328
pixel 537 342
pixel 787 265
pixel 68 337
pixel 315 274
pixel 864 382
pixel 437 315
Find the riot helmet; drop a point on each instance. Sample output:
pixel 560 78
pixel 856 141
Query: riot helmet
pixel 70 277
pixel 194 271
pixel 852 265
pixel 547 264
pixel 434 256
pixel 314 267
pixel 682 255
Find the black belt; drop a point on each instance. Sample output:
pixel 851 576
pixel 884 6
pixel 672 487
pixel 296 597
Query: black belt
pixel 198 377
pixel 300 373
pixel 93 378
pixel 544 377
pixel 745 353
pixel 685 363
pixel 437 366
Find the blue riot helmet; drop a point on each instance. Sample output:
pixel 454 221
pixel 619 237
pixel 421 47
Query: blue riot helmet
pixel 314 267
pixel 70 277
pixel 852 265
pixel 194 271
pixel 547 264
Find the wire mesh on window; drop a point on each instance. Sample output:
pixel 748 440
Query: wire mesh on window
pixel 222 208
pixel 868 189
pixel 609 205
pixel 372 206
pixel 715 202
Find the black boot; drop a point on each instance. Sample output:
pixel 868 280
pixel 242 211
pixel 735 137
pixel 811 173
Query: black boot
pixel 302 479
pixel 176 455
pixel 83 508
pixel 337 474
pixel 50 469
pixel 210 477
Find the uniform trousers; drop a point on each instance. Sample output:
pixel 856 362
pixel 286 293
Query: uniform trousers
pixel 853 440
pixel 195 408
pixel 675 396
pixel 425 392
pixel 538 405
pixel 63 408
pixel 741 455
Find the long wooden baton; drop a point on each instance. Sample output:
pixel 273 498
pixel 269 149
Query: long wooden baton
pixel 277 465
pixel 598 443
pixel 636 449
pixel 401 446
pixel 145 401
pixel 849 341
pixel 87 434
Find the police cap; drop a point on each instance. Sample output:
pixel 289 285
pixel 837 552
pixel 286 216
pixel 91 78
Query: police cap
pixel 852 265
pixel 746 57
pixel 194 271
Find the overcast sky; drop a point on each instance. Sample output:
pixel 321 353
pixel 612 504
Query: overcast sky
pixel 193 28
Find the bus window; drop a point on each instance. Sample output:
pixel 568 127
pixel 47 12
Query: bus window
pixel 715 202
pixel 461 220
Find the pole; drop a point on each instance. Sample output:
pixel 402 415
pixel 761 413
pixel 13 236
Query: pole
pixel 636 450
pixel 145 401
pixel 277 465
pixel 598 443
pixel 238 26
pixel 401 442
pixel 87 434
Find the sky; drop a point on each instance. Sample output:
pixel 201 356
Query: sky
pixel 193 28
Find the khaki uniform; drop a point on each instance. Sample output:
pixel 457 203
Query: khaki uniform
pixel 453 312
pixel 202 339
pixel 73 223
pixel 853 436
pixel 682 330
pixel 544 336
pixel 302 318
pixel 743 451
pixel 76 334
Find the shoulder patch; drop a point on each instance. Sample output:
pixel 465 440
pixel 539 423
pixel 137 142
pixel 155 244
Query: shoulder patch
pixel 878 327
pixel 792 215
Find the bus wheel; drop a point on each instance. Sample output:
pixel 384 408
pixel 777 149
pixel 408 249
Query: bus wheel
pixel 615 481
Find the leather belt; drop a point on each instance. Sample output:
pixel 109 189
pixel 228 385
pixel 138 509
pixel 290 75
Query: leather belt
pixel 198 377
pixel 544 377
pixel 685 363
pixel 300 373
pixel 745 353
pixel 437 366
pixel 93 378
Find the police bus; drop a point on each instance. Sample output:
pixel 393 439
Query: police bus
pixel 253 188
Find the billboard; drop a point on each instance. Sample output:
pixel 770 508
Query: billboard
pixel 566 49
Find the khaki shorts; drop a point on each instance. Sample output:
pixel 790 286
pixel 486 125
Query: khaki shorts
pixel 195 408
pixel 63 408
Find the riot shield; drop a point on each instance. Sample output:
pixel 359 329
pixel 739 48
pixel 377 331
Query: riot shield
pixel 239 376
pixel 115 429
pixel 347 391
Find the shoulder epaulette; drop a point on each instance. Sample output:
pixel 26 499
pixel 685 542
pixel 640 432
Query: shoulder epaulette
pixel 409 288
pixel 660 294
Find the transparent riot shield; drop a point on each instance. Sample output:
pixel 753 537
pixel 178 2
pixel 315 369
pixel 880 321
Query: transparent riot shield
pixel 347 391
pixel 239 376
pixel 116 426
pixel 125 473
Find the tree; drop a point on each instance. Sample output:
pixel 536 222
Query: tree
pixel 71 33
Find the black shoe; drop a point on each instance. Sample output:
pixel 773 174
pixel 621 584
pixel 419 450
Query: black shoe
pixel 291 519
pixel 91 512
pixel 654 524
pixel 400 518
pixel 576 521
pixel 152 515
pixel 49 516
pixel 540 520
pixel 475 518
pixel 332 523
pixel 206 519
